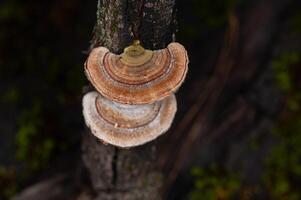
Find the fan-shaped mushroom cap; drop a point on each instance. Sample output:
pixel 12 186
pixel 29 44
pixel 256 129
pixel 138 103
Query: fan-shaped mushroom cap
pixel 137 76
pixel 127 125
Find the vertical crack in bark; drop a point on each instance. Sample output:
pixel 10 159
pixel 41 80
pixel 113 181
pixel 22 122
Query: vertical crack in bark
pixel 114 167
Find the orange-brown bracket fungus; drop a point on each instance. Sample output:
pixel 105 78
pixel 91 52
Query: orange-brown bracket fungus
pixel 127 125
pixel 135 102
pixel 137 76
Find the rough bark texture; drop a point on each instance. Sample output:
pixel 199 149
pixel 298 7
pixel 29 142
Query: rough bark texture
pixel 120 173
pixel 118 22
pixel 126 173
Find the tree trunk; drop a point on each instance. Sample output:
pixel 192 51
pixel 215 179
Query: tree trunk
pixel 128 173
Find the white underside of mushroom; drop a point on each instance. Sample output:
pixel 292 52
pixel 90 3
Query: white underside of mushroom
pixel 127 125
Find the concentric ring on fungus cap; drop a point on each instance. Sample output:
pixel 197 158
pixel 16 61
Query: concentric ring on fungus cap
pixel 144 82
pixel 127 125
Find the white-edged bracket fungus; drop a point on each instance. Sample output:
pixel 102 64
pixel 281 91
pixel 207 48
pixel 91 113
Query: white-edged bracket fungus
pixel 127 125
pixel 135 102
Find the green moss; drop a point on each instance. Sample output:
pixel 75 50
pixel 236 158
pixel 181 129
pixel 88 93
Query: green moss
pixel 214 183
pixel 284 163
pixel 283 166
pixel 283 71
pixel 33 147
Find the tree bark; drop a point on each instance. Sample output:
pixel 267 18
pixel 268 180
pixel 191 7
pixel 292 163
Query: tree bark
pixel 128 173
pixel 120 20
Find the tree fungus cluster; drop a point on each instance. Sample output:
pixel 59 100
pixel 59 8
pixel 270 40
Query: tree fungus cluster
pixel 135 101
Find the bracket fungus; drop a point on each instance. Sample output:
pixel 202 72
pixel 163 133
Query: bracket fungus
pixel 135 101
pixel 137 76
pixel 127 125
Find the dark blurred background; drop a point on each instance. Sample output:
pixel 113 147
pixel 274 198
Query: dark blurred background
pixel 255 154
pixel 41 70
